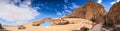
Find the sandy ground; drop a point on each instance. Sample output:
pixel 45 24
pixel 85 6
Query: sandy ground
pixel 68 27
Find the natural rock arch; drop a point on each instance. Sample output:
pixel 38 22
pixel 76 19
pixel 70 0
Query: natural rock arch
pixel 53 21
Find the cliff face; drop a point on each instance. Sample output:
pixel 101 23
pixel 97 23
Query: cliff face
pixel 91 10
pixel 113 17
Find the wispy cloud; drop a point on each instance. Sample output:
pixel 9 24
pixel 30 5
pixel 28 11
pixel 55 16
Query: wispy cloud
pixel 10 12
pixel 74 5
pixel 65 1
pixel 58 13
pixel 117 0
pixel 68 11
pixel 114 2
pixel 99 1
pixel 66 8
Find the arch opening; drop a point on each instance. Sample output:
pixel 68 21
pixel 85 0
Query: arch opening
pixel 45 24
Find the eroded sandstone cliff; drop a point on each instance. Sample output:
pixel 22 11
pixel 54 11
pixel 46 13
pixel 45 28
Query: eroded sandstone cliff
pixel 91 10
pixel 113 17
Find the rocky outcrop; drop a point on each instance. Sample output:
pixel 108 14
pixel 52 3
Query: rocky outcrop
pixel 113 17
pixel 1 26
pixel 2 29
pixel 91 10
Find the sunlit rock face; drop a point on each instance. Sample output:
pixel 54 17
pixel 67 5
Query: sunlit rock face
pixel 91 10
pixel 113 17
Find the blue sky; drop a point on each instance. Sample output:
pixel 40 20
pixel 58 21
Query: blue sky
pixel 50 9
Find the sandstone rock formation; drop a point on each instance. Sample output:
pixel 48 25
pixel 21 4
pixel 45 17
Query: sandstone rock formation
pixel 55 21
pixel 113 17
pixel 91 10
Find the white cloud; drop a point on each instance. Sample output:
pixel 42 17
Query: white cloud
pixel 58 13
pixel 67 8
pixel 68 11
pixel 114 2
pixel 65 1
pixel 63 12
pixel 74 5
pixel 11 12
pixel 99 1
pixel 117 0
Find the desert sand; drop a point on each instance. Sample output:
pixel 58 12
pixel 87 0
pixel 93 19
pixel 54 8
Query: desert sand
pixel 68 27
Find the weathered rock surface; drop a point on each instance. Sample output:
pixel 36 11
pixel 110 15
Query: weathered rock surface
pixel 91 10
pixel 113 17
pixel 55 21
pixel 1 26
